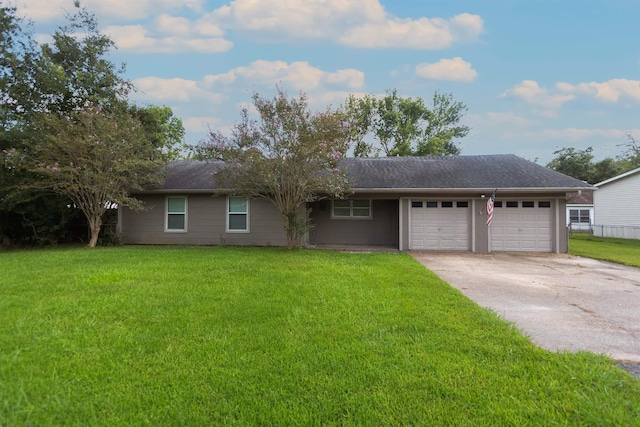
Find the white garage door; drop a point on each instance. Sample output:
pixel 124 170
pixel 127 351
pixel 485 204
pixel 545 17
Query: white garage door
pixel 443 225
pixel 521 226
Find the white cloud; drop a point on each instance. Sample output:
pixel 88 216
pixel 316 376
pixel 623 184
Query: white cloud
pixel 355 23
pixel 455 69
pixel 363 23
pixel 181 38
pixel 176 89
pixel 577 134
pixel 200 124
pixel 42 10
pixel 507 118
pixel 422 33
pixel 297 75
pixel 322 87
pixel 548 101
pixel 611 90
pixel 532 93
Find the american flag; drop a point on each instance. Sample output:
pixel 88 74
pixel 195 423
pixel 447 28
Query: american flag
pixel 490 203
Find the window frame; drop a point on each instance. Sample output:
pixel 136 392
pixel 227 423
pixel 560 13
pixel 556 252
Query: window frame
pixel 229 214
pixel 185 213
pixel 351 209
pixel 581 219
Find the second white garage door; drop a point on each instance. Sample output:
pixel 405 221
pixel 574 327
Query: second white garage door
pixel 521 226
pixel 441 225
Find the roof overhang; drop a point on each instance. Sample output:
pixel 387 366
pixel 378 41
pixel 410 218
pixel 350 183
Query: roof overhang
pixel 514 190
pixel 471 190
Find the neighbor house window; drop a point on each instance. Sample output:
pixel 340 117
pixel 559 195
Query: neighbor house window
pixel 176 218
pixel 579 216
pixel 237 214
pixel 351 209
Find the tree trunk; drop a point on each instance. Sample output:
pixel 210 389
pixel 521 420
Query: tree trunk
pixel 94 227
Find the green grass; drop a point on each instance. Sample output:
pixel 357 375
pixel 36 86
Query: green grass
pixel 621 251
pixel 247 336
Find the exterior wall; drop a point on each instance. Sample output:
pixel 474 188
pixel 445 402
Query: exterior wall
pixel 617 203
pixel 389 225
pixel 206 223
pixel 379 230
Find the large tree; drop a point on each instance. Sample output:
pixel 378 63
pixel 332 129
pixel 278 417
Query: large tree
pixel 95 158
pixel 60 78
pixel 161 128
pixel 405 126
pixel 580 164
pixel 289 155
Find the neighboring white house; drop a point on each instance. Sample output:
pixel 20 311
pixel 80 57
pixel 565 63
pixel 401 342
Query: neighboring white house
pixel 617 206
pixel 580 211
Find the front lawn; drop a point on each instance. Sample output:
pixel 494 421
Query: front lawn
pixel 621 251
pixel 247 336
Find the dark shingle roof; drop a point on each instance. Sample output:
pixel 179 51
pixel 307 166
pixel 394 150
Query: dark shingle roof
pixel 459 172
pixel 386 173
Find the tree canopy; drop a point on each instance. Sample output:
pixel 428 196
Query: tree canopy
pixel 580 164
pixel 288 155
pixel 47 93
pixel 399 126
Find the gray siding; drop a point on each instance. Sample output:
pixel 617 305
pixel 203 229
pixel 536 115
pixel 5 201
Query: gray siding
pixel 380 230
pixel 206 223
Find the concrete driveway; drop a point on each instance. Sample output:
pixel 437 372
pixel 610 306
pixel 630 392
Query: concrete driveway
pixel 561 302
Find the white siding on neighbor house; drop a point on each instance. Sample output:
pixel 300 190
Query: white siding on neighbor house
pixel 617 202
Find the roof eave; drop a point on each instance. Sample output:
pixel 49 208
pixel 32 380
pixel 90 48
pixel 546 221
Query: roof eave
pixel 472 190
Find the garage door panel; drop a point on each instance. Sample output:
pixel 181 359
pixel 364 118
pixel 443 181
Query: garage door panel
pixel 521 229
pixel 444 228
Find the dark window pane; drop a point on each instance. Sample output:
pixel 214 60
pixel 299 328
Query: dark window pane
pixel 237 222
pixel 528 204
pixel 175 222
pixel 462 204
pixel 361 203
pixel 447 204
pixel 238 204
pixel 497 204
pixel 544 204
pixel 361 212
pixel 416 204
pixel 512 204
pixel 176 204
pixel 432 204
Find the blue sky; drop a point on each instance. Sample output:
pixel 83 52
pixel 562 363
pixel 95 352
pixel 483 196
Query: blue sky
pixel 536 75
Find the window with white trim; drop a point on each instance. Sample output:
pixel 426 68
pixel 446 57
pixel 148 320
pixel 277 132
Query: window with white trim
pixel 176 215
pixel 579 216
pixel 359 209
pixel 237 214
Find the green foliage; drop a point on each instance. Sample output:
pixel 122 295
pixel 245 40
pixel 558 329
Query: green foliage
pixel 405 126
pixel 575 163
pixel 631 156
pixel 74 68
pixel 621 251
pixel 95 158
pixel 289 156
pixel 61 78
pixel 161 128
pixel 201 336
pixel 580 164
